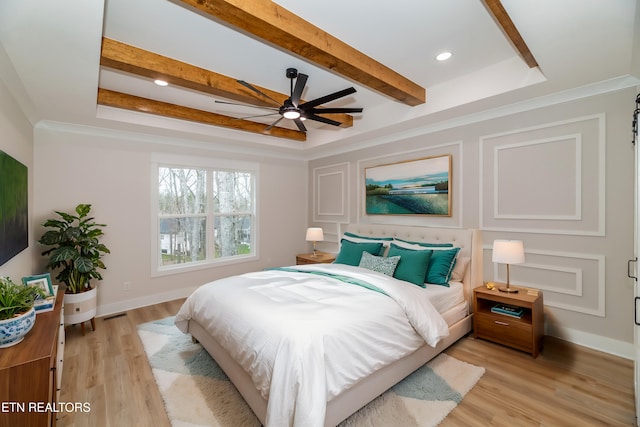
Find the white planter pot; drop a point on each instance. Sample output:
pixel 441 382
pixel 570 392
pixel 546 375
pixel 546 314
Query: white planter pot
pixel 79 308
pixel 13 330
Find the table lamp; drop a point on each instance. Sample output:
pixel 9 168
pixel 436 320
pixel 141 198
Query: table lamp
pixel 314 234
pixel 508 252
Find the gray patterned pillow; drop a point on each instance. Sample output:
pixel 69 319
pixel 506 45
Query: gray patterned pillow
pixel 386 265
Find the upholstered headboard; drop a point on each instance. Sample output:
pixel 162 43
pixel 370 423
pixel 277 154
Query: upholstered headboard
pixel 467 239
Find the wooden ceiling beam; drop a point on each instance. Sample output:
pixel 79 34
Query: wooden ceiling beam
pixel 135 103
pixel 276 25
pixel 140 62
pixel 503 19
pixel 133 60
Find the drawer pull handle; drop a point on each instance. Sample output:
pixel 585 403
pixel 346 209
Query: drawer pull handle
pixel 629 275
pixel 501 323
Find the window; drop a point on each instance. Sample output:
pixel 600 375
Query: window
pixel 205 215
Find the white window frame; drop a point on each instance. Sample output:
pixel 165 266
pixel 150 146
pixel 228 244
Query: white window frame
pixel 181 161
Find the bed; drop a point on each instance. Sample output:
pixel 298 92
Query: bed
pixel 294 367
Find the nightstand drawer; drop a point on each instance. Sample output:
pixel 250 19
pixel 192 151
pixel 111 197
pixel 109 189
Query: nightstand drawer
pixel 303 261
pixel 504 330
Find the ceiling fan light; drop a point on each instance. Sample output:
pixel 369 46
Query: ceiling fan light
pixel 444 56
pixel 291 114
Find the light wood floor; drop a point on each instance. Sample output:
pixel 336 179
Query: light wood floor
pixel 566 385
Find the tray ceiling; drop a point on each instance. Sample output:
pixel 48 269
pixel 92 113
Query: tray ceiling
pixel 57 76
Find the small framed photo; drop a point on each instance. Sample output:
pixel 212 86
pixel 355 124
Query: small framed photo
pixel 42 281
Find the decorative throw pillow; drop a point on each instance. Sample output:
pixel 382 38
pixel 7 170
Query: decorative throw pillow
pixel 351 252
pixel 386 265
pixel 413 264
pixel 441 265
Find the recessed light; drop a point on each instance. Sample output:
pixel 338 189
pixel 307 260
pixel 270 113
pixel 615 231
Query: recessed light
pixel 160 82
pixel 443 56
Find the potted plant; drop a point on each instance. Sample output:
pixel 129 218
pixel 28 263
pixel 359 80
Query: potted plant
pixel 17 315
pixel 76 250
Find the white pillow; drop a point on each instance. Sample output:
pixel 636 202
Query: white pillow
pixel 411 246
pixel 457 275
pixel 417 247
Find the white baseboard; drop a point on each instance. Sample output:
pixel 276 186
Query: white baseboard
pixel 597 342
pixel 131 304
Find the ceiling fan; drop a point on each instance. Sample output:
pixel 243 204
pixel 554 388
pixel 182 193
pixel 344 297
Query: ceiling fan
pixel 294 110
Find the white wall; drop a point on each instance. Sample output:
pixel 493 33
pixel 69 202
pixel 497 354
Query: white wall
pixel 112 173
pixel 16 139
pixel 561 178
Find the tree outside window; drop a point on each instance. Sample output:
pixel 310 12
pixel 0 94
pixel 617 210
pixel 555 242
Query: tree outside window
pixel 204 214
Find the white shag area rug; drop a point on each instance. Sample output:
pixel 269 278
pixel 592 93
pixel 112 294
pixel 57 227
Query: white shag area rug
pixel 196 392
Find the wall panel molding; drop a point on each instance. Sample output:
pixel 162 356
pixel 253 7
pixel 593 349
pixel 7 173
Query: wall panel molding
pixel 582 274
pixel 562 168
pixel 554 174
pixel 331 193
pixel 576 273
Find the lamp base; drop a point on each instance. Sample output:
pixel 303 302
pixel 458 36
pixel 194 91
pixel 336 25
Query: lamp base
pixel 509 290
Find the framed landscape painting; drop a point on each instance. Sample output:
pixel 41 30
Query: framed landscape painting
pixel 415 187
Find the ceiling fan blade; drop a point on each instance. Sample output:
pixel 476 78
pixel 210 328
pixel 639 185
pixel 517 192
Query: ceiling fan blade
pixel 297 92
pixel 252 117
pixel 335 110
pixel 323 120
pixel 268 128
pixel 259 92
pixel 246 105
pixel 300 125
pixel 327 98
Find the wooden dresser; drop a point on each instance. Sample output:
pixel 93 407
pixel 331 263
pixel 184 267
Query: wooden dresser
pixel 30 372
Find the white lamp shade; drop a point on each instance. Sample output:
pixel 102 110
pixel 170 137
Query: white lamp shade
pixel 314 234
pixel 508 251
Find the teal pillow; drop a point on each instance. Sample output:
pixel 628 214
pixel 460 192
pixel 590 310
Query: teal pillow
pixel 351 252
pixel 441 265
pixel 412 266
pixel 359 239
pixel 427 244
pixel 386 265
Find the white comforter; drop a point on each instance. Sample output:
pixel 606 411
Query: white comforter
pixel 304 338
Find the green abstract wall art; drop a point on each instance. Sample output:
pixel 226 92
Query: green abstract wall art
pixel 14 207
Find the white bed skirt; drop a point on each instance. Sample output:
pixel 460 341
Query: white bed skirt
pixel 349 401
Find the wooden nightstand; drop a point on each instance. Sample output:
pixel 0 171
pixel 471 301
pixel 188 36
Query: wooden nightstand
pixel 320 258
pixel 523 333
